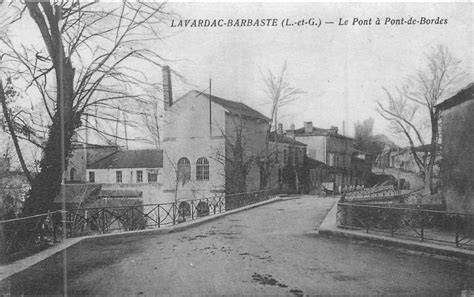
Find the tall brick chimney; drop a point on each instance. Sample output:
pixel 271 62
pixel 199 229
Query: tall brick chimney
pixel 308 127
pixel 167 88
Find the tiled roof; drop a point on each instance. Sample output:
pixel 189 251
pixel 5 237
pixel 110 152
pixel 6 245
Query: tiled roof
pixel 284 139
pixel 465 94
pixel 131 159
pixel 76 193
pixel 233 107
pixel 119 193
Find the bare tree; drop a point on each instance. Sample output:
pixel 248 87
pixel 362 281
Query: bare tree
pixel 89 62
pixel 412 111
pixel 279 94
pixel 235 159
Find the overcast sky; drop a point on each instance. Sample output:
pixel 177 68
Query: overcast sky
pixel 342 69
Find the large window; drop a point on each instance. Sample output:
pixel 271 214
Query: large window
pixel 118 176
pixel 202 169
pixel 72 174
pixel 139 176
pixel 92 177
pixel 184 170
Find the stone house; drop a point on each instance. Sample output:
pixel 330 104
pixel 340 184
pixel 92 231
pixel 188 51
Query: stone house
pixel 457 141
pixel 83 155
pixel 206 139
pixel 328 147
pixel 289 168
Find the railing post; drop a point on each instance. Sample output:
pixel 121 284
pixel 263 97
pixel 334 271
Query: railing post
pixel 174 213
pixel 158 214
pixel 132 222
pixel 422 226
pixel 456 224
pixel 103 220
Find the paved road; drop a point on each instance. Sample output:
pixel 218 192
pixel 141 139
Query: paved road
pixel 269 250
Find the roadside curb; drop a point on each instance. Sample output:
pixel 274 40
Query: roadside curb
pixel 329 228
pixel 20 265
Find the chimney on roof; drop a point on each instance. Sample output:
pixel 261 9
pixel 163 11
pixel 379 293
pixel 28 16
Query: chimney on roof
pixel 167 88
pixel 280 129
pixel 308 127
pixel 333 129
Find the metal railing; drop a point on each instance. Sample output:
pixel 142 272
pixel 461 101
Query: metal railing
pixel 373 192
pixel 405 222
pixel 101 220
pixel 20 237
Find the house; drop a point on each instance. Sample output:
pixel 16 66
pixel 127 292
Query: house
pixel 329 147
pixel 457 141
pixel 127 167
pixel 212 146
pixel 289 167
pixel 102 175
pixel 83 155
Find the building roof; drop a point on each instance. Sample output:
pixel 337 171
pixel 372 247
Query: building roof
pixel 119 193
pixel 320 132
pixel 312 163
pixel 284 139
pixel 150 158
pixel 233 107
pixel 462 96
pixel 76 193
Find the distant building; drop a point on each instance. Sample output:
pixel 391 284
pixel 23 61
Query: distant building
pixel 457 139
pixel 83 155
pixel 289 168
pixel 330 148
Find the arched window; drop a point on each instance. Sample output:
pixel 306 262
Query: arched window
pixel 184 170
pixel 72 174
pixel 202 169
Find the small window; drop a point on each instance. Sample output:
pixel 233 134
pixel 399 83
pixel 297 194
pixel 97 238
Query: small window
pixel 152 177
pixel 202 169
pixel 72 174
pixel 139 176
pixel 118 176
pixel 184 170
pixel 92 177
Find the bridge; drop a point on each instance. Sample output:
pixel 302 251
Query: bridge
pixel 273 249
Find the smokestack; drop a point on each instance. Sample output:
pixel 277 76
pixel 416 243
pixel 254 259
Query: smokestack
pixel 167 88
pixel 308 127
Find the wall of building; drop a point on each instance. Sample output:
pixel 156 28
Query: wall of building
pixel 79 161
pixel 253 133
pixel 186 133
pixel 129 175
pixel 457 167
pixel 151 193
pixel 316 146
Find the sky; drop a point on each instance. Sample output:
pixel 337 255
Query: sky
pixel 342 69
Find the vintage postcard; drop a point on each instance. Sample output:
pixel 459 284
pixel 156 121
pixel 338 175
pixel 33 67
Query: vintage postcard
pixel 208 149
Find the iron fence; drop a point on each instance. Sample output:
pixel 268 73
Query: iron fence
pixel 20 237
pixel 23 236
pixel 405 222
pixel 101 220
pixel 374 192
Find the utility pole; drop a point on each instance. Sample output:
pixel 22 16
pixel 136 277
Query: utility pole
pixel 210 107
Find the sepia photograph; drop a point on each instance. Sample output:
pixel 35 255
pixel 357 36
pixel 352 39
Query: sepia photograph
pixel 236 148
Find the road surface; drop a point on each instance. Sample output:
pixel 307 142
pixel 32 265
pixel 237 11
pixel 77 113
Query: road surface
pixel 268 250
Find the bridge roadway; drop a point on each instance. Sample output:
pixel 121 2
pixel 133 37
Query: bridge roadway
pixel 269 250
